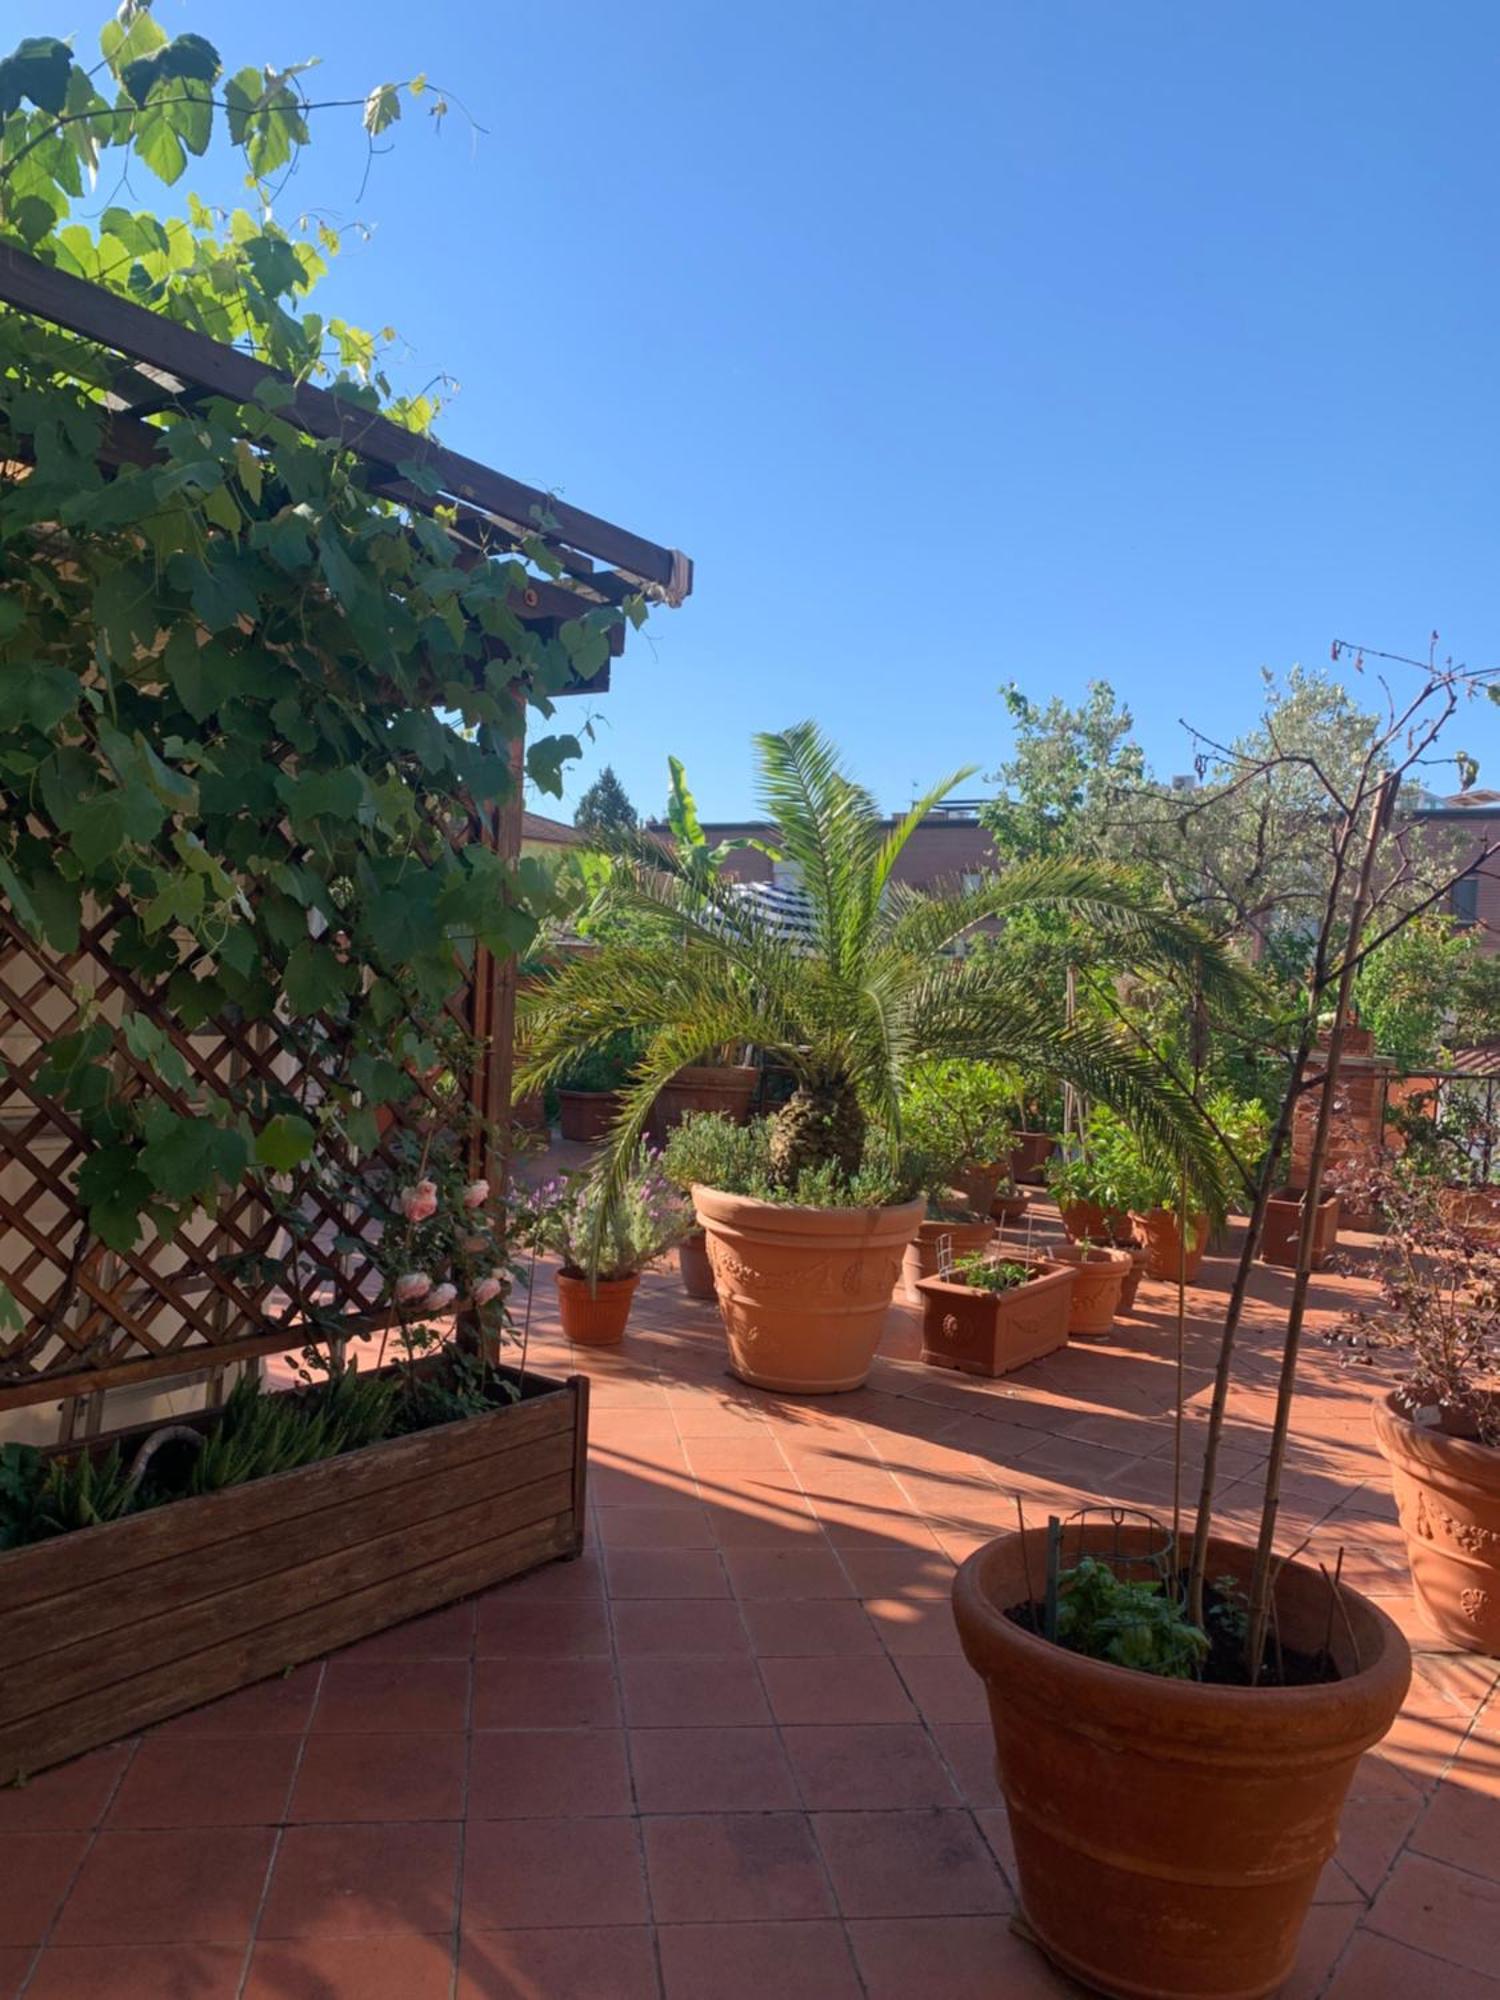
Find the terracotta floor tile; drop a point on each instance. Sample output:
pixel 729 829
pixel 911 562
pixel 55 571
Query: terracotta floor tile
pixel 438 1635
pixel 545 1694
pixel 72 1795
pixel 15 1962
pixel 362 1881
pixel 959 1958
pixel 369 1968
pixel 747 1961
pixel 643 1485
pixel 544 1873
pixel 842 1688
pixel 912 1864
pixel 555 1582
pixel 915 1624
pixel 684 1625
pixel 786 1573
pixel 1379 1814
pixel 277 1707
pixel 1324 1940
pixel 617 1964
pixel 843 1767
pixel 785 1521
pixel 665 1573
pixel 345 1778
pixel 541 1631
pixel 183 1887
pixel 1377 1968
pixel 791 1627
pixel 666 1693
pixel 944 1689
pixel 140 1972
pixel 729 1867
pixel 1444 1911
pixel 361 1697
pixel 1461 1825
pixel 37 1870
pixel 710 1771
pixel 656 1528
pixel 235 1781
pixel 548 1774
pixel 968 1748
pixel 898 1573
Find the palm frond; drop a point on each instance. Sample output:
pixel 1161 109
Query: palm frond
pixel 826 824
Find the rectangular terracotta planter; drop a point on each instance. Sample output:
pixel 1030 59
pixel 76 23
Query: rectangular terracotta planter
pixel 585 1116
pixel 112 1628
pixel 1283 1229
pixel 992 1333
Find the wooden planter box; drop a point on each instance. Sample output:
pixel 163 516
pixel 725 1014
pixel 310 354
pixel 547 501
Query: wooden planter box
pixel 112 1628
pixel 1282 1229
pixel 991 1333
pixel 586 1115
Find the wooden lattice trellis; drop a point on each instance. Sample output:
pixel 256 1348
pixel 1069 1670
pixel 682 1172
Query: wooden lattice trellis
pixel 281 1257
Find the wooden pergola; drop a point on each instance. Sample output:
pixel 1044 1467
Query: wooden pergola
pixel 169 1310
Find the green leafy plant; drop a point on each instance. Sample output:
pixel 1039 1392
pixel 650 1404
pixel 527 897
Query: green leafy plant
pixel 983 1274
pixel 707 1149
pixel 600 1230
pixel 1129 1623
pixel 876 989
pixel 41 1497
pixel 958 1114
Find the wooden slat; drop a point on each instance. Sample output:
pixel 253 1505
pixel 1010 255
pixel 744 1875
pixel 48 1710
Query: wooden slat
pixel 165 1632
pixel 48 1569
pixel 38 1633
pixel 112 1712
pixel 118 323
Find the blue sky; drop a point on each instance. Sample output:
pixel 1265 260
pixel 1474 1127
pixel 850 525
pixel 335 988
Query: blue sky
pixel 957 343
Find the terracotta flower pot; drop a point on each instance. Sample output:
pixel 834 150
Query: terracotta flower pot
pixel 595 1315
pixel 803 1292
pixel 694 1268
pixel 1008 1208
pixel 1283 1229
pixel 1159 1234
pixel 1098 1279
pixel 1471 1208
pixel 728 1088
pixel 1448 1496
pixel 1030 1155
pixel 991 1333
pixel 978 1184
pixel 1087 1220
pixel 1132 1281
pixel 1170 1834
pixel 586 1115
pixel 530 1112
pixel 923 1251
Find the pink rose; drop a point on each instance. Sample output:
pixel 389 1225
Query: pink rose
pixel 419 1202
pixel 441 1298
pixel 476 1194
pixel 411 1287
pixel 487 1289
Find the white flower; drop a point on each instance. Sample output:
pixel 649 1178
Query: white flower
pixel 439 1299
pixel 411 1287
pixel 476 1194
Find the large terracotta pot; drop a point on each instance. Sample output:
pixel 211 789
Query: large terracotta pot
pixel 978 1184
pixel 1030 1155
pixel 1283 1229
pixel 1448 1496
pixel 595 1315
pixel 803 1292
pixel 1012 1207
pixel 1133 1276
pixel 693 1267
pixel 586 1115
pixel 728 1088
pixel 991 1333
pixel 1098 1280
pixel 1159 1234
pixel 1088 1221
pixel 925 1248
pixel 1170 1834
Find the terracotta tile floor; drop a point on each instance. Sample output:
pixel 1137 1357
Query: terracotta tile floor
pixel 734 1750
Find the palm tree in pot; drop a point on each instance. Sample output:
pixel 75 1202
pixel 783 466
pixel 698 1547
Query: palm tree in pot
pixel 873 983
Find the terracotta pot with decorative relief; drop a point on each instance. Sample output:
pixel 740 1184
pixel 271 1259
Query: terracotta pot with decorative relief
pixel 980 1332
pixel 1448 1496
pixel 1098 1280
pixel 803 1292
pixel 1133 1276
pixel 1170 1834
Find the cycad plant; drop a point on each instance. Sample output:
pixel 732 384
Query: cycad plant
pixel 876 983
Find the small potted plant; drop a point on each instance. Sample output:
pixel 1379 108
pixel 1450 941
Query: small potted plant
pixel 1084 1191
pixel 1010 1202
pixel 1100 1273
pixel 958 1111
pixel 988 1316
pixel 604 1239
pixel 951 1229
pixel 1439 1428
pixel 712 1150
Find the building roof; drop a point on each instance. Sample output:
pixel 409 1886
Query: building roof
pixel 555 832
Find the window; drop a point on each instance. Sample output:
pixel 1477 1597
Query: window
pixel 1464 899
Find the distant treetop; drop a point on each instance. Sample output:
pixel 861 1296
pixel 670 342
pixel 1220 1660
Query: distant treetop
pixel 605 806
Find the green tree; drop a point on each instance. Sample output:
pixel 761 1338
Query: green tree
pixel 1066 775
pixel 605 807
pixel 877 990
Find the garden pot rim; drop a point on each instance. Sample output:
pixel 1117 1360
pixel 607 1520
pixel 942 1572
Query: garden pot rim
pixel 1290 1197
pixel 1240 1707
pixel 723 1206
pixel 566 1277
pixel 1043 1270
pixel 1398 1430
pixel 1091 1253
